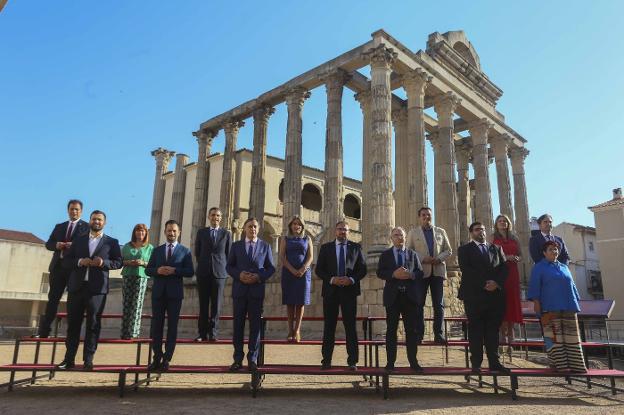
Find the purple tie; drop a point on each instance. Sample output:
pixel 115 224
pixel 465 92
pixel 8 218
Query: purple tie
pixel 250 251
pixel 169 252
pixel 70 228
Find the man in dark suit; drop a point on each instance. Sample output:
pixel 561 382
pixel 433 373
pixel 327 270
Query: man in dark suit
pixel 250 264
pixel 401 269
pixel 60 241
pixel 484 272
pixel 212 247
pixel 341 266
pixel 538 239
pixel 89 258
pixel 167 266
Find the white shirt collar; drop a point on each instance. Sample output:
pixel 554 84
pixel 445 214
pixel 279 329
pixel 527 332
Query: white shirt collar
pixel 545 235
pixel 338 242
pixel 480 243
pixel 74 221
pixel 172 243
pixel 247 241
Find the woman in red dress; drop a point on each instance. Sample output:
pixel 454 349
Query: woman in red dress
pixel 504 238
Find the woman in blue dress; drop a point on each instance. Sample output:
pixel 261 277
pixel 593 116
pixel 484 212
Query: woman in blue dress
pixel 296 253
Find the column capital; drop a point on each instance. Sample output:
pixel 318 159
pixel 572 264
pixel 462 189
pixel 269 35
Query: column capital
pixel 500 144
pixel 434 138
pixel 335 79
pixel 296 96
pixel 262 113
pixel 364 98
pixel 232 126
pixel 381 56
pixel 445 104
pixel 415 82
pixel 399 115
pixel 205 137
pixel 518 154
pixel 163 155
pixel 479 130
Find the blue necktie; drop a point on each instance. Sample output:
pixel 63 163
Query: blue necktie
pixel 250 251
pixel 213 234
pixel 484 251
pixel 400 258
pixel 341 262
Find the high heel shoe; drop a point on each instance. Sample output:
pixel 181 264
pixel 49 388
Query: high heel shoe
pixel 297 337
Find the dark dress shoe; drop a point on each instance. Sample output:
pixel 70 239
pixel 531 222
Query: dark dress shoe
pixel 164 366
pixel 417 368
pixel 212 338
pixel 87 366
pixel 325 366
pixel 126 337
pixel 66 365
pixel 252 366
pixel 236 366
pixel 200 339
pixel 439 340
pixel 154 366
pixel 353 367
pixel 500 369
pixel 389 368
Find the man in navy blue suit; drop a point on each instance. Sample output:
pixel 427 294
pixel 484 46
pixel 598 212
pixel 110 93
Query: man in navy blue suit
pixel 89 258
pixel 402 296
pixel 167 266
pixel 341 266
pixel 537 241
pixel 212 247
pixel 250 264
pixel 60 241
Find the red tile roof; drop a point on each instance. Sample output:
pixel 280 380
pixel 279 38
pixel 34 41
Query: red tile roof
pixel 20 236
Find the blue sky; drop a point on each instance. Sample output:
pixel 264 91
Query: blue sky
pixel 90 88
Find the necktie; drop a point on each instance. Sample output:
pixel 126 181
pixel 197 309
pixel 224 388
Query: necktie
pixel 70 228
pixel 213 234
pixel 341 262
pixel 169 252
pixel 484 251
pixel 250 251
pixel 400 257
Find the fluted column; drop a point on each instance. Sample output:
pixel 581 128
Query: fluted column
pixel 293 159
pixel 381 60
pixel 179 189
pixel 401 168
pixel 415 84
pixel 500 145
pixel 202 176
pixel 448 217
pixel 258 170
pixel 438 199
pixel 483 193
pixel 364 98
pixel 162 157
pixel 523 229
pixel 333 198
pixel 226 201
pixel 462 152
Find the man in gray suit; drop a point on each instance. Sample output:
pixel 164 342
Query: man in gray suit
pixel 433 248
pixel 212 247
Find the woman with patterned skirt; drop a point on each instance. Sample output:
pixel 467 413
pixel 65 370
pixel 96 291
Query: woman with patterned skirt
pixel 296 257
pixel 505 238
pixel 555 298
pixel 136 255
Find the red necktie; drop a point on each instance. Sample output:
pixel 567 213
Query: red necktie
pixel 70 228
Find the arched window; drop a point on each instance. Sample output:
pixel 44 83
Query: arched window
pixel 311 197
pixel 352 207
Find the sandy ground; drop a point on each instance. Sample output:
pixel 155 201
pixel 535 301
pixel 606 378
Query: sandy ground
pixel 192 394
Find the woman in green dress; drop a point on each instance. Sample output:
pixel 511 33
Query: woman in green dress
pixel 136 255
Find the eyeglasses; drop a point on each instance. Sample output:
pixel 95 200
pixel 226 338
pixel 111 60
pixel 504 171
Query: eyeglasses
pixel 342 229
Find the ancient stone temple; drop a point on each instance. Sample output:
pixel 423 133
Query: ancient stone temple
pixel 466 134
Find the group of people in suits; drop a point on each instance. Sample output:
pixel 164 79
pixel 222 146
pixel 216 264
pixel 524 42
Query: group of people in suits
pixel 414 265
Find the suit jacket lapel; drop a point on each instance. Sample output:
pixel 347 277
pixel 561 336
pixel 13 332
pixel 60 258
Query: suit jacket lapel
pixel 334 257
pixel 99 245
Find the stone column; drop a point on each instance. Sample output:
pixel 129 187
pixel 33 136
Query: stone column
pixel 415 84
pixel 179 189
pixel 258 162
pixel 162 157
pixel 500 145
pixel 382 209
pixel 462 152
pixel 483 194
pixel 438 200
pixel 293 161
pixel 333 198
pixel 200 200
pixel 401 169
pixel 364 98
pixel 226 200
pixel 448 217
pixel 523 229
